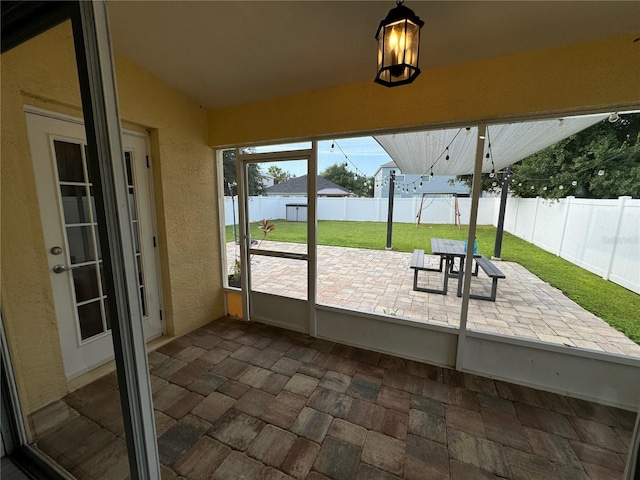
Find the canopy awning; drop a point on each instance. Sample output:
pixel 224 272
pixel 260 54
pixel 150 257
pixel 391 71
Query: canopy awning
pixel 425 152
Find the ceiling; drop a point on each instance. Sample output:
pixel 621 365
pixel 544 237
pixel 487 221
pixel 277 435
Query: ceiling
pixel 222 53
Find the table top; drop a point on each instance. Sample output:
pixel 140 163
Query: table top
pixel 445 246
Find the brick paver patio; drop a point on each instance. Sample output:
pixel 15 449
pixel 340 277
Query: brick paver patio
pixel 381 281
pixel 239 400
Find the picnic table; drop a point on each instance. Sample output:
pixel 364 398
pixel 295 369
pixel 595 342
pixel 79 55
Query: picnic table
pixel 450 251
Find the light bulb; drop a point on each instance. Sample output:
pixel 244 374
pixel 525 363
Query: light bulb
pixel 601 172
pixel 520 184
pixel 561 187
pixel 561 122
pixel 355 177
pixel 574 183
pixel 492 174
pixel 494 184
pixel 544 188
pixel 467 130
pixel 532 187
pixel 332 147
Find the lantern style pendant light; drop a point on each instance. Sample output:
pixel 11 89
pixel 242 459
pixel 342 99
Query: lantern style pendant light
pixel 398 47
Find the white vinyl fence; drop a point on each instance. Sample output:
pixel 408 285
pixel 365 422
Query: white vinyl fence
pixel 602 236
pixel 434 210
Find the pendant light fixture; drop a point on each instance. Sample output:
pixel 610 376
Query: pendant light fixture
pixel 398 47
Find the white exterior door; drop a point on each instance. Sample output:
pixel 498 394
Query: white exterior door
pixel 67 209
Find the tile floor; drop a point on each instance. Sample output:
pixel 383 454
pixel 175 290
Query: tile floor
pixel 239 400
pixel 382 282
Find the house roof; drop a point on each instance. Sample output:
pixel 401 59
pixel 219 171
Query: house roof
pixel 298 186
pixel 251 41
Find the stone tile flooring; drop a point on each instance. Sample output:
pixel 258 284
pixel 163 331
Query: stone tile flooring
pixel 382 282
pixel 239 400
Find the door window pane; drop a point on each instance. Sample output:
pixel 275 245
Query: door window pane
pixel 127 160
pixel 69 159
pixel 74 204
pixel 136 240
pixel 143 301
pixel 80 244
pixel 90 317
pixel 132 204
pixel 85 282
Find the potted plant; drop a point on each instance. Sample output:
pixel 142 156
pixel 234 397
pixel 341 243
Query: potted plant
pixel 235 277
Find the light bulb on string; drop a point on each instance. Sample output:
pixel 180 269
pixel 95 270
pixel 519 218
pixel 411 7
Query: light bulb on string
pixel 532 187
pixel 561 187
pixel 601 172
pixel 333 144
pixel 431 174
pixel 355 177
pixel 346 165
pixel 494 184
pixel 467 130
pixel 544 188
pixel 520 184
pixel 414 189
pixel 492 174
pixel 487 157
pixel 447 157
pixel 574 183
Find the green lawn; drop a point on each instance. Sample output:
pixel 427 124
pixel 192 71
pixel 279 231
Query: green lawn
pixel 616 305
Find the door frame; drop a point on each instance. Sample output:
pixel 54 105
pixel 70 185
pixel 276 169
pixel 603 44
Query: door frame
pixel 242 162
pixel 150 221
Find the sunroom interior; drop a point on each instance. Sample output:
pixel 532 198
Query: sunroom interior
pixel 175 125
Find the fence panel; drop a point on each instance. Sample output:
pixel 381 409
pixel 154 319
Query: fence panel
pixel 625 268
pixel 602 236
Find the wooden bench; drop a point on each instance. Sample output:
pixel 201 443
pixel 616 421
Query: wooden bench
pixel 492 272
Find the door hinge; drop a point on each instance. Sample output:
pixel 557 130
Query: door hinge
pixel 148 162
pixel 160 314
pixel 155 244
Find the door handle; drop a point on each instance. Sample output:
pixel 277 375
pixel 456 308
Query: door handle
pixel 59 268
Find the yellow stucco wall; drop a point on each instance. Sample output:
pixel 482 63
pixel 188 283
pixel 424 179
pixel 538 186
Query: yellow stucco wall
pixel 589 76
pixel 42 73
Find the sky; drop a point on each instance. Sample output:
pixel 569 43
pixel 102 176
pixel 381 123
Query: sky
pixel 364 153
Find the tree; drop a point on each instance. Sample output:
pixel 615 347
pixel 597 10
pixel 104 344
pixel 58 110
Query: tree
pixel 602 161
pixel 358 185
pixel 256 187
pixel 278 174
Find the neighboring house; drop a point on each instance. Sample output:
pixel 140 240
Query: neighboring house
pixel 297 187
pixel 439 184
pixel 268 180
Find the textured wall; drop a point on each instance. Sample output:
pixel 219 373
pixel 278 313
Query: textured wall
pixel 587 76
pixel 42 73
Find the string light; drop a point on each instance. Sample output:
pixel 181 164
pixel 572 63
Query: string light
pixel 358 173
